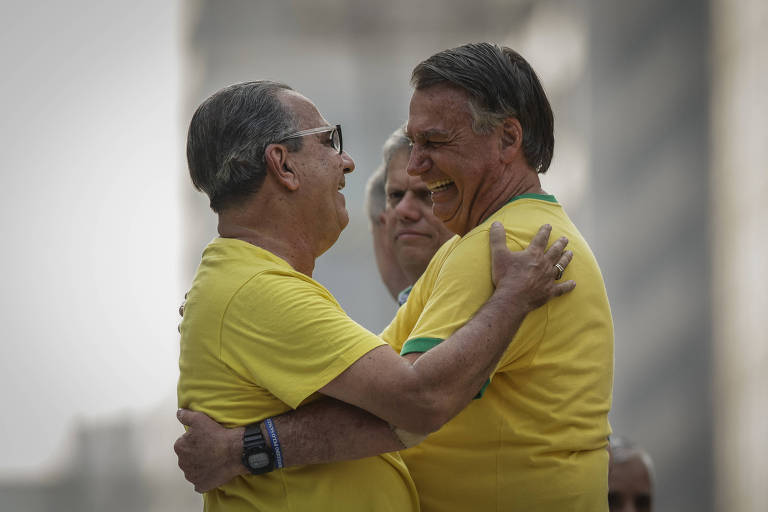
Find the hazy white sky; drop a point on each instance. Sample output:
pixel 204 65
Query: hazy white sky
pixel 90 174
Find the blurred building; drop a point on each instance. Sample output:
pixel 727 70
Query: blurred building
pixel 122 465
pixel 650 115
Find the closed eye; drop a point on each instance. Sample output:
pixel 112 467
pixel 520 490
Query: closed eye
pixel 394 197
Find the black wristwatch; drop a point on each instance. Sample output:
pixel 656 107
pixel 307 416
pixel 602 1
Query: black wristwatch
pixel 258 456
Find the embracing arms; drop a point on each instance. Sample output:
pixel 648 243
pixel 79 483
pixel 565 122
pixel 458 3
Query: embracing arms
pixel 417 396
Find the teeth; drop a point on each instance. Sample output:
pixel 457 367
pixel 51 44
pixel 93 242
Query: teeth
pixel 439 185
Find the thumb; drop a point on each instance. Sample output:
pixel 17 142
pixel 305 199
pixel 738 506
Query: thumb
pixel 185 417
pixel 498 237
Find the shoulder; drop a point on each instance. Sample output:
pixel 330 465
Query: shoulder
pixel 286 287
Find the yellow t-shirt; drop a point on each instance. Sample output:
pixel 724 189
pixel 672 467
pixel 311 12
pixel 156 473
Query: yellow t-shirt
pixel 536 438
pixel 258 339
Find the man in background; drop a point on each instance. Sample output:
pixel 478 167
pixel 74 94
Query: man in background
pixel 392 276
pixel 411 233
pixel 630 477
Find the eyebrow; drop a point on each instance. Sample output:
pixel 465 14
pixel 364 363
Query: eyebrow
pixel 426 134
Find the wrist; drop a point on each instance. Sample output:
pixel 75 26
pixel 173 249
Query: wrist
pixel 235 455
pixel 512 300
pixel 270 435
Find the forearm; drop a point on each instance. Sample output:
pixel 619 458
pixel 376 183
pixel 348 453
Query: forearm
pixel 454 371
pixel 324 431
pixel 318 433
pixel 330 430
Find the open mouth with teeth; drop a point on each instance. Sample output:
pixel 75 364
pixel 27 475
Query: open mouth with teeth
pixel 437 186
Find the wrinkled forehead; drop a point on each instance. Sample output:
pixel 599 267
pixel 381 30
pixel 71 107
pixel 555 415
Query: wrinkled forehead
pixel 437 110
pixel 303 109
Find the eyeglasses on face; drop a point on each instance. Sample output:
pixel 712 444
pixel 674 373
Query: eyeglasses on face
pixel 334 137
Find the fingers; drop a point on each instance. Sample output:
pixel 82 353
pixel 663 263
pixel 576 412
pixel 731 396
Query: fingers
pixel 565 287
pixel 498 237
pixel 188 418
pixel 181 307
pixel 559 267
pixel 565 259
pixel 539 241
pixel 555 251
pixel 178 447
pixel 181 313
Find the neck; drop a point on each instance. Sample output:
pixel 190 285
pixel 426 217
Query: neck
pixel 510 184
pixel 271 236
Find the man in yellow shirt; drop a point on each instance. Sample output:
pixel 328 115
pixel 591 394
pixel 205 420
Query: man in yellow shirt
pixel 536 437
pixel 546 376
pixel 260 337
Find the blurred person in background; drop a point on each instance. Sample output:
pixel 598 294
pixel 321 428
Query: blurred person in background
pixel 535 438
pixel 406 234
pixel 379 216
pixel 630 477
pixel 414 231
pixel 260 337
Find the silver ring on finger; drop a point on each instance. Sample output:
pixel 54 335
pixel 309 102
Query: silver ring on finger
pixel 559 269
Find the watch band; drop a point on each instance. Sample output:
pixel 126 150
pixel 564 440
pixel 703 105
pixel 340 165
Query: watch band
pixel 258 455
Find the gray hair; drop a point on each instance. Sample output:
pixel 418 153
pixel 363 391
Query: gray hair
pixel 375 189
pixel 623 450
pixel 228 136
pixel 500 84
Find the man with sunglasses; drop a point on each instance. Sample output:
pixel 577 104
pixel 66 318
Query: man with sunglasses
pixel 260 337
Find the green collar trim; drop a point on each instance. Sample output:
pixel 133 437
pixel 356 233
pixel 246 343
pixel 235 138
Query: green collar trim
pixel 543 197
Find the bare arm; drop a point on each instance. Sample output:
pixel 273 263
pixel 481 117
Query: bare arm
pixel 326 430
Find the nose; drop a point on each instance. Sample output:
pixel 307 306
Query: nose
pixel 349 164
pixel 408 208
pixel 419 162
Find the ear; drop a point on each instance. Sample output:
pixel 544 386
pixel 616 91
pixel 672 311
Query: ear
pixel 276 157
pixel 511 139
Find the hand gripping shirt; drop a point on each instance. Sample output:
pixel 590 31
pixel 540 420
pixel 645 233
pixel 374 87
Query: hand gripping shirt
pixel 259 338
pixel 535 440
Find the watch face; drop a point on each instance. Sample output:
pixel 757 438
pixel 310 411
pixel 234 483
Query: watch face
pixel 258 460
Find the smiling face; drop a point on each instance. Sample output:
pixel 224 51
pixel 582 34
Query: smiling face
pixel 463 170
pixel 321 170
pixel 415 232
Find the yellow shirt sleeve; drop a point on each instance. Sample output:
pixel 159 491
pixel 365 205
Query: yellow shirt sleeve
pixel 300 340
pixel 459 287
